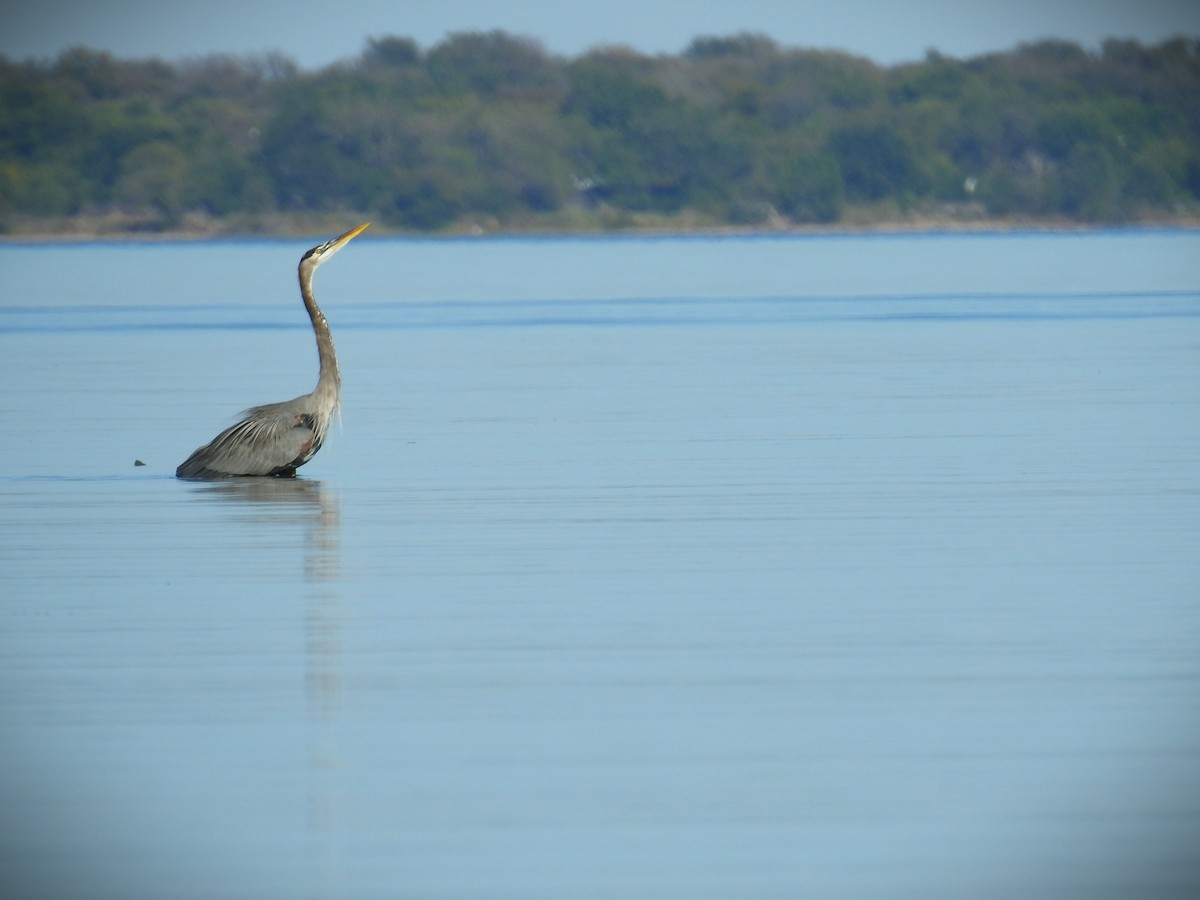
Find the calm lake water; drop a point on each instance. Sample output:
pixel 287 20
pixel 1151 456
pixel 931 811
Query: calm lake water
pixel 645 568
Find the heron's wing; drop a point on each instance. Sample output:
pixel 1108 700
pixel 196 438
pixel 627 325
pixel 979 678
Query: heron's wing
pixel 269 439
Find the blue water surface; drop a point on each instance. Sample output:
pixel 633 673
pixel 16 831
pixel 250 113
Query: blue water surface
pixel 844 566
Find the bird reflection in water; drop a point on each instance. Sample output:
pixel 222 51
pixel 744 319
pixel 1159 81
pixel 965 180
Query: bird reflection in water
pixel 276 504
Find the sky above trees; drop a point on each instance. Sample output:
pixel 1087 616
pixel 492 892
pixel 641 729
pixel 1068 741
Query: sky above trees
pixel 316 33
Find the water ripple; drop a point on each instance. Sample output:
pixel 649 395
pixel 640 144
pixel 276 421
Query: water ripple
pixel 645 312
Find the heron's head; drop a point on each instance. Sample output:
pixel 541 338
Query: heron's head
pixel 318 255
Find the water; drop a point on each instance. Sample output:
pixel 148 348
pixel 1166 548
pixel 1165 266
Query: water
pixel 837 567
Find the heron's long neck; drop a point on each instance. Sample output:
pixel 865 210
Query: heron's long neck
pixel 329 382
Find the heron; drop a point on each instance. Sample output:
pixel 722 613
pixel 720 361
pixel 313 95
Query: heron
pixel 277 438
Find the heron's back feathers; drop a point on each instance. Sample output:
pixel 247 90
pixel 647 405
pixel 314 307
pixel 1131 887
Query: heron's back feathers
pixel 273 439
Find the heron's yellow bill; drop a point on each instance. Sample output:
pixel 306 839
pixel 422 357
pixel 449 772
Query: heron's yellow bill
pixel 317 255
pixel 352 233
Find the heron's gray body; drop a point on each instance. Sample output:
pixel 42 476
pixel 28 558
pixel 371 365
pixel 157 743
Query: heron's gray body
pixel 277 438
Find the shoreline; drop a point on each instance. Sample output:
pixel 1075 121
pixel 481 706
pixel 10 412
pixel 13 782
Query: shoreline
pixel 116 228
pixel 929 227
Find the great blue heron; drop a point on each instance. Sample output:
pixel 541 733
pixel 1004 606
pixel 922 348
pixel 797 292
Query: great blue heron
pixel 278 438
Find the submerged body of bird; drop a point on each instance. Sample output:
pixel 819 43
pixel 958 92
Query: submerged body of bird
pixel 277 438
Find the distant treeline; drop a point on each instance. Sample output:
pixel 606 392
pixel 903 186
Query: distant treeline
pixel 489 130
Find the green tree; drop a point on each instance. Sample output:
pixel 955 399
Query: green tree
pixel 809 188
pixel 152 177
pixel 875 160
pixel 488 127
pixel 1091 189
pixel 495 64
pixel 392 52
